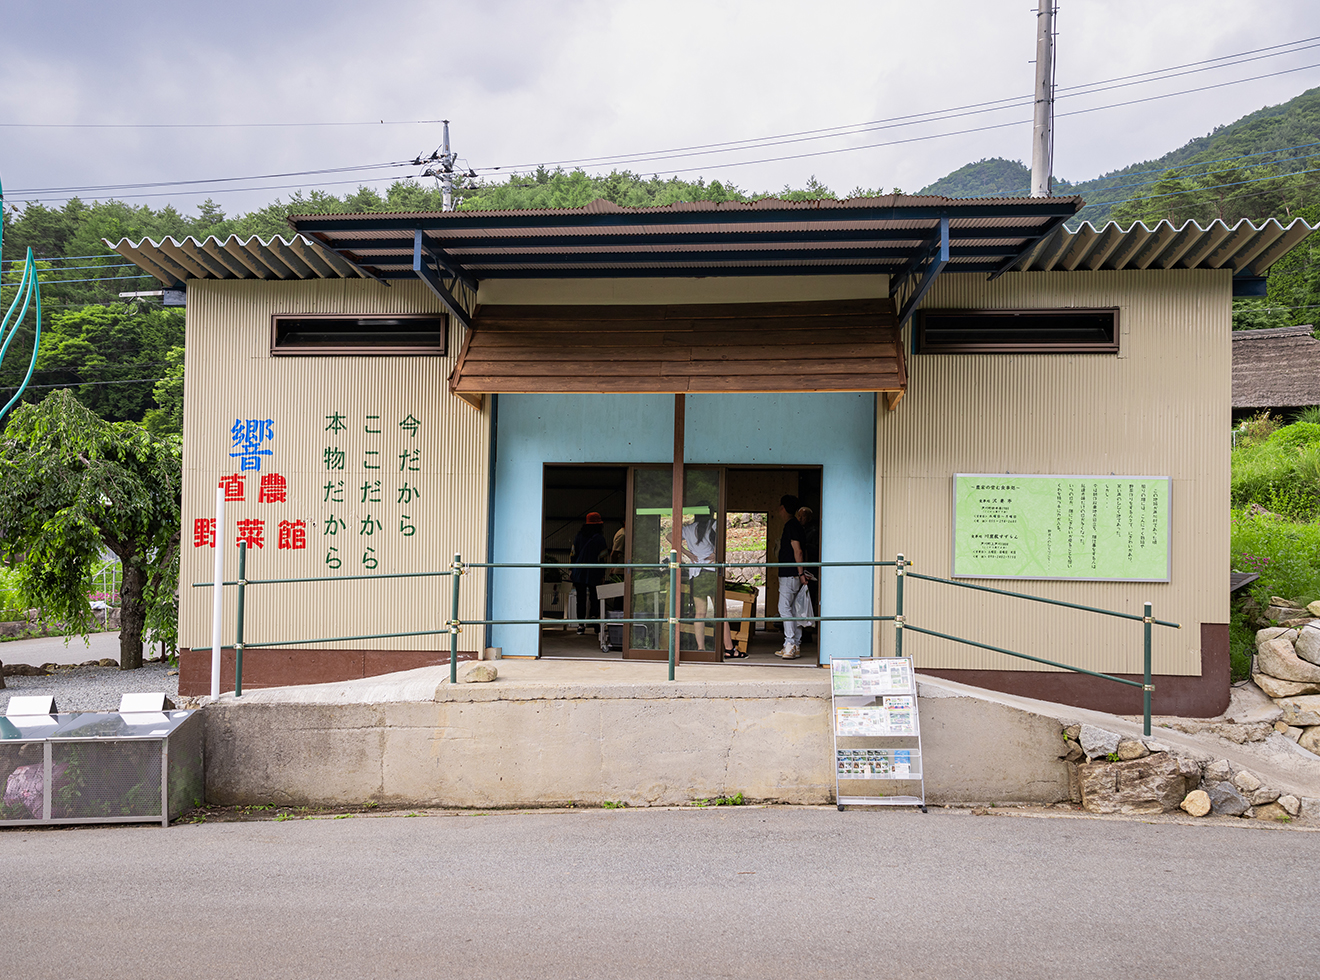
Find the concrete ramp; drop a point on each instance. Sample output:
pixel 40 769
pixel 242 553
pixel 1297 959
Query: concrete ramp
pixel 550 734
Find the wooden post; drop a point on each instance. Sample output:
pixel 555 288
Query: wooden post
pixel 676 532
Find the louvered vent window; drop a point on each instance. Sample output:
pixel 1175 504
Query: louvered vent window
pixel 361 335
pixel 1016 332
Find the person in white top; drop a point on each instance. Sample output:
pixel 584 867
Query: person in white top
pixel 699 548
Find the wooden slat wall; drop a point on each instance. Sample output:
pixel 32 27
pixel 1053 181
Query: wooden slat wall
pixel 850 345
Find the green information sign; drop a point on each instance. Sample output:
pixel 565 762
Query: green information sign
pixel 1090 528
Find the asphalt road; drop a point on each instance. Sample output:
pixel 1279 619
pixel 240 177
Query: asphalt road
pixel 745 892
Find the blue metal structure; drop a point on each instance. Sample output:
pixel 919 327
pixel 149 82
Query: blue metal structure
pixel 29 290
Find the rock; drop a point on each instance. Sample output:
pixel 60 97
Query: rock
pixel 1226 800
pixel 1129 749
pixel 1271 811
pixel 1073 732
pixel 1246 781
pixel 13 629
pixel 1276 688
pixel 1294 733
pixel 1191 772
pixel 1074 753
pixel 1149 785
pixel 1291 804
pixel 1263 795
pixel 1155 746
pixel 1314 608
pixel 1217 771
pixel 25 670
pixel 1301 711
pixel 480 673
pixel 1197 803
pixel 1074 784
pixel 1285 603
pixel 1277 658
pixel 1310 739
pixel 1303 622
pixel 1274 632
pixel 107 662
pixel 1307 644
pixel 1097 742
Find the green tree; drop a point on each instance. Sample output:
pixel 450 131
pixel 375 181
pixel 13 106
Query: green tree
pixel 167 417
pixel 72 486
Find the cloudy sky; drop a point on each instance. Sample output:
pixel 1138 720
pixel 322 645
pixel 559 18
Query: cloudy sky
pixel 94 94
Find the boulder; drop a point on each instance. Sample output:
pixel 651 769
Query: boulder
pixel 1307 644
pixel 1217 771
pixel 1097 742
pixel 1301 711
pixel 480 673
pixel 112 618
pixel 1197 803
pixel 1129 749
pixel 1246 781
pixel 1280 614
pixel 25 670
pixel 1314 608
pixel 1263 795
pixel 1274 632
pixel 1155 746
pixel 1291 804
pixel 1191 772
pixel 1226 800
pixel 1150 785
pixel 1277 658
pixel 1073 732
pixel 1271 811
pixel 1310 739
pixel 1074 753
pixel 13 629
pixel 1275 688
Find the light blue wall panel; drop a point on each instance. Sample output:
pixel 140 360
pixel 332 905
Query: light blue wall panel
pixel 835 431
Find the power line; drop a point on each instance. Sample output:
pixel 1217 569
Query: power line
pixel 60 282
pixel 215 180
pixel 242 125
pixel 64 268
pixel 1193 190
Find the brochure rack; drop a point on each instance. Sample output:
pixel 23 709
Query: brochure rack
pixel 877 737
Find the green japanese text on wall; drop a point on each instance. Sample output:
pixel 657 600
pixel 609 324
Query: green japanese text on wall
pixel 1097 528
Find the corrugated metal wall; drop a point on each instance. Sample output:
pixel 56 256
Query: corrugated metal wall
pixel 432 475
pixel 1159 408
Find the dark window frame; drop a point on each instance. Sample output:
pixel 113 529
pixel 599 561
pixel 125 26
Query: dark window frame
pixel 282 324
pixel 921 344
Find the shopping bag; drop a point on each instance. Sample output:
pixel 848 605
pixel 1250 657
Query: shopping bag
pixel 802 604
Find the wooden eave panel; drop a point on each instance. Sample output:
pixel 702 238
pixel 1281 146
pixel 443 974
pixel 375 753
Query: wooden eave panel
pixel 765 347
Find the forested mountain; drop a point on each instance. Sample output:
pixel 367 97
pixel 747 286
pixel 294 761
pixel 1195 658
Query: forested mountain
pixel 116 355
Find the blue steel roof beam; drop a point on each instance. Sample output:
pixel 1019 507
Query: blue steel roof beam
pixel 461 248
pixel 696 272
pixel 323 224
pixel 890 257
pixel 1027 248
pixel 425 273
pixel 443 260
pixel 939 260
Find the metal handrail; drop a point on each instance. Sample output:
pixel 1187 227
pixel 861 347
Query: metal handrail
pixel 673 565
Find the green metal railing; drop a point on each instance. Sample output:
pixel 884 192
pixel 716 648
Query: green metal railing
pixel 902 568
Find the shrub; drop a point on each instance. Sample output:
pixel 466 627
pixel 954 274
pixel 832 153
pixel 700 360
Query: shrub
pixel 1285 554
pixel 1280 472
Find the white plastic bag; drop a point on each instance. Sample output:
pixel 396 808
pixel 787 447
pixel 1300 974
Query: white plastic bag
pixel 802 604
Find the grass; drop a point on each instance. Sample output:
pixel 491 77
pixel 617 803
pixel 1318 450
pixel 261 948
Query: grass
pixel 1276 468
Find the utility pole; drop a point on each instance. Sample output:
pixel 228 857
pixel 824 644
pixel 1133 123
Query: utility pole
pixel 1042 131
pixel 445 171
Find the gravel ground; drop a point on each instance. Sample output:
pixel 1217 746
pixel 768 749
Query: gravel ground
pixel 95 688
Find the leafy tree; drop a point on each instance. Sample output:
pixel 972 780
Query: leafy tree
pixel 72 486
pixel 167 417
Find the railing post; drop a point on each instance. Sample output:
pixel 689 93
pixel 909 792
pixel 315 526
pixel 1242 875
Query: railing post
pixel 456 573
pixel 238 629
pixel 673 610
pixel 1148 686
pixel 898 607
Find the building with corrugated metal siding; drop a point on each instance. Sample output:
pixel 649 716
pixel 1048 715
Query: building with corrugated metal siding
pixel 1002 401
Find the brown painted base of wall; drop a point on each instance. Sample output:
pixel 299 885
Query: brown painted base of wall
pixel 1187 696
pixel 282 668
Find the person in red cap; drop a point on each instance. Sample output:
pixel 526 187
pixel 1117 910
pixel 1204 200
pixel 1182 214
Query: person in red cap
pixel 589 548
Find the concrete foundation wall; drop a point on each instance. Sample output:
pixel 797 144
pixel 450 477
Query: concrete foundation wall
pixel 535 743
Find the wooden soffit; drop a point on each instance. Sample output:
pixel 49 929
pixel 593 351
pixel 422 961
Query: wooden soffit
pixel 847 345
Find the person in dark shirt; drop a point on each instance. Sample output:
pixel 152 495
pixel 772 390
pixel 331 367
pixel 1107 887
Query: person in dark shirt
pixel 589 548
pixel 792 548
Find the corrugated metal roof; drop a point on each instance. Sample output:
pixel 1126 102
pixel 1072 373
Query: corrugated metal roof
pixel 1246 248
pixel 884 235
